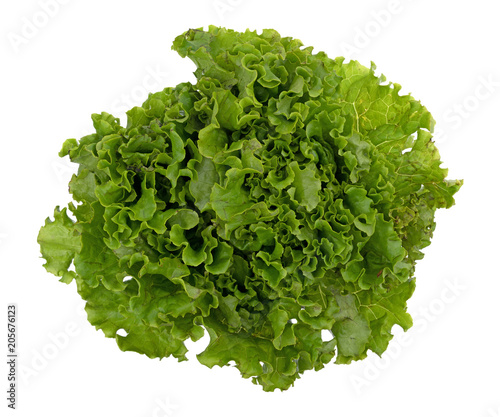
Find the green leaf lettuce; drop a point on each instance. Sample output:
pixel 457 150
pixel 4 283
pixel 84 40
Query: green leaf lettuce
pixel 283 194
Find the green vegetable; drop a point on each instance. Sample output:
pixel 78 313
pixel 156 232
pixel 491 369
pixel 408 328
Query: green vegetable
pixel 283 194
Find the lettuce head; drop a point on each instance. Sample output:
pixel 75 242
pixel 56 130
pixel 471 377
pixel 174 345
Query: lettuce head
pixel 282 197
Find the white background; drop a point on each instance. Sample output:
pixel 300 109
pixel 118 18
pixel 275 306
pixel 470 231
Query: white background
pixel 60 63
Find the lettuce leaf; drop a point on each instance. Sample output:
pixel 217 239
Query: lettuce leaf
pixel 283 194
